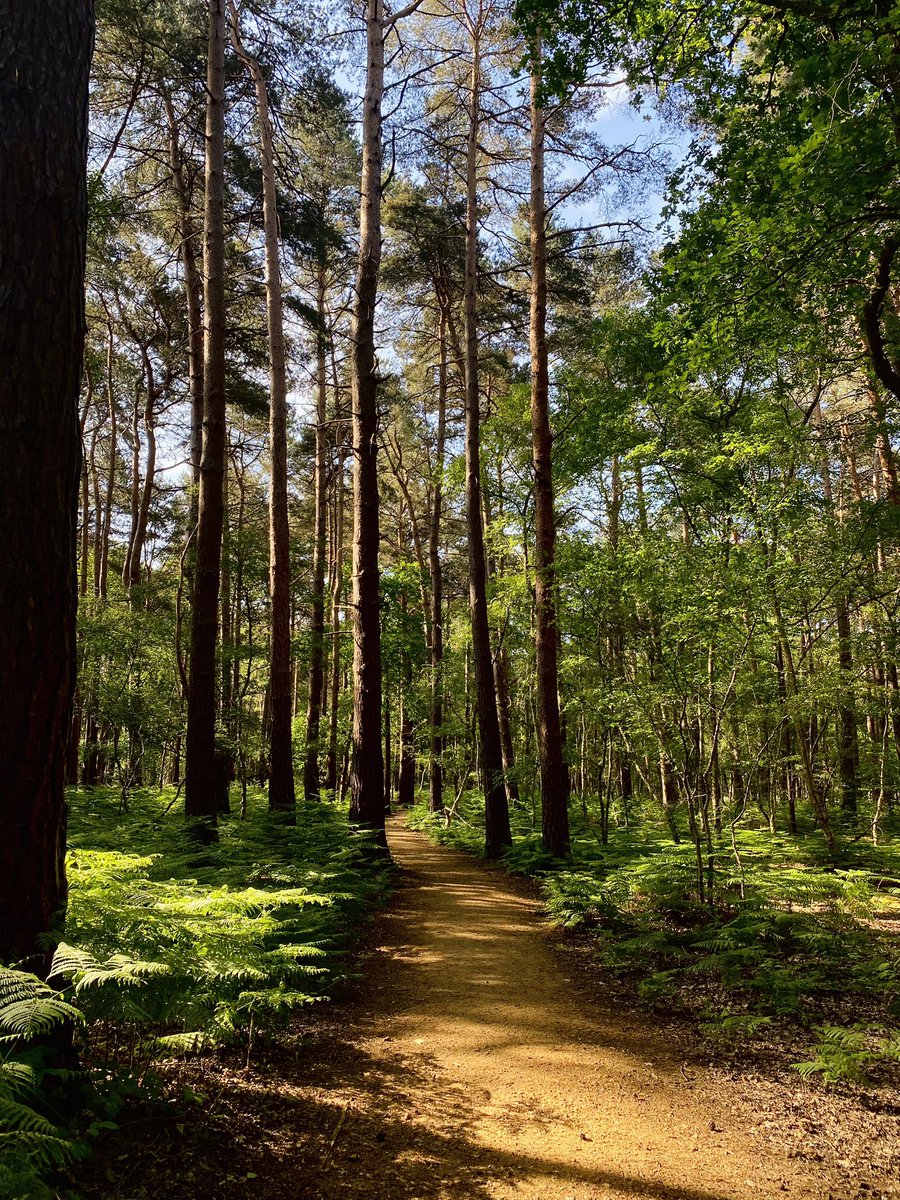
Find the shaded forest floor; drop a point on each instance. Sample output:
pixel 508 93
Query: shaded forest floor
pixel 480 1058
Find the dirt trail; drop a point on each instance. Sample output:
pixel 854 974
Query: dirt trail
pixel 467 1065
pixel 511 1087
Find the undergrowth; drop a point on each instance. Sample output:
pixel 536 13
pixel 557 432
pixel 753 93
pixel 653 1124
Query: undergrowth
pixel 170 948
pixel 792 941
pixel 35 1141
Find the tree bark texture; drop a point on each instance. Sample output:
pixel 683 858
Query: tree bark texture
pixel 496 809
pixel 45 52
pixel 367 798
pixel 317 631
pixel 200 783
pixel 193 294
pixel 554 776
pixel 337 588
pixel 435 567
pixel 281 760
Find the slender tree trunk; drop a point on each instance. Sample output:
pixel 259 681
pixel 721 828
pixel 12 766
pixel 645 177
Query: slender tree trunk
pixel 98 517
pixel 786 742
pixel 496 809
pixel 554 776
pixel 367 802
pixel 317 649
pixel 406 772
pixel 227 688
pixel 883 447
pixel 111 476
pixel 85 517
pixel 388 742
pixel 337 588
pixel 848 740
pixel 619 749
pixel 436 759
pixel 281 760
pixel 193 295
pixel 45 52
pixel 501 682
pixel 669 789
pixel 145 496
pixel 200 789
pixel 504 721
pixel 135 489
pixel 814 794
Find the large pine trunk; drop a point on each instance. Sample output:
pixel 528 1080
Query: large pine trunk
pixel 497 834
pixel 45 50
pixel 554 775
pixel 200 768
pixel 367 798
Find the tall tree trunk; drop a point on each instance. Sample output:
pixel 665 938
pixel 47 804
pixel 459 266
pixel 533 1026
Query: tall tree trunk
pixel 388 742
pixel 85 515
pixel 135 487
pixel 281 760
pixel 496 809
pixel 193 295
pixel 98 516
pixel 337 587
pixel 200 789
pixel 45 51
pixel 406 774
pixel 554 776
pixel 504 721
pixel 813 791
pixel 226 667
pixel 367 798
pixel 501 680
pixel 145 492
pixel 619 749
pixel 317 649
pixel 89 468
pixel 111 475
pixel 848 740
pixel 435 567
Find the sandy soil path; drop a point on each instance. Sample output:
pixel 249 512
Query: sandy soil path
pixel 510 1084
pixel 466 1064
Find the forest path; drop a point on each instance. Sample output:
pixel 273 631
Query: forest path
pixel 485 1074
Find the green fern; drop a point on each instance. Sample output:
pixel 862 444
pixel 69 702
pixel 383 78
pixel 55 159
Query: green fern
pixel 32 1147
pixel 847 1054
pixel 29 1008
pixel 733 1027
